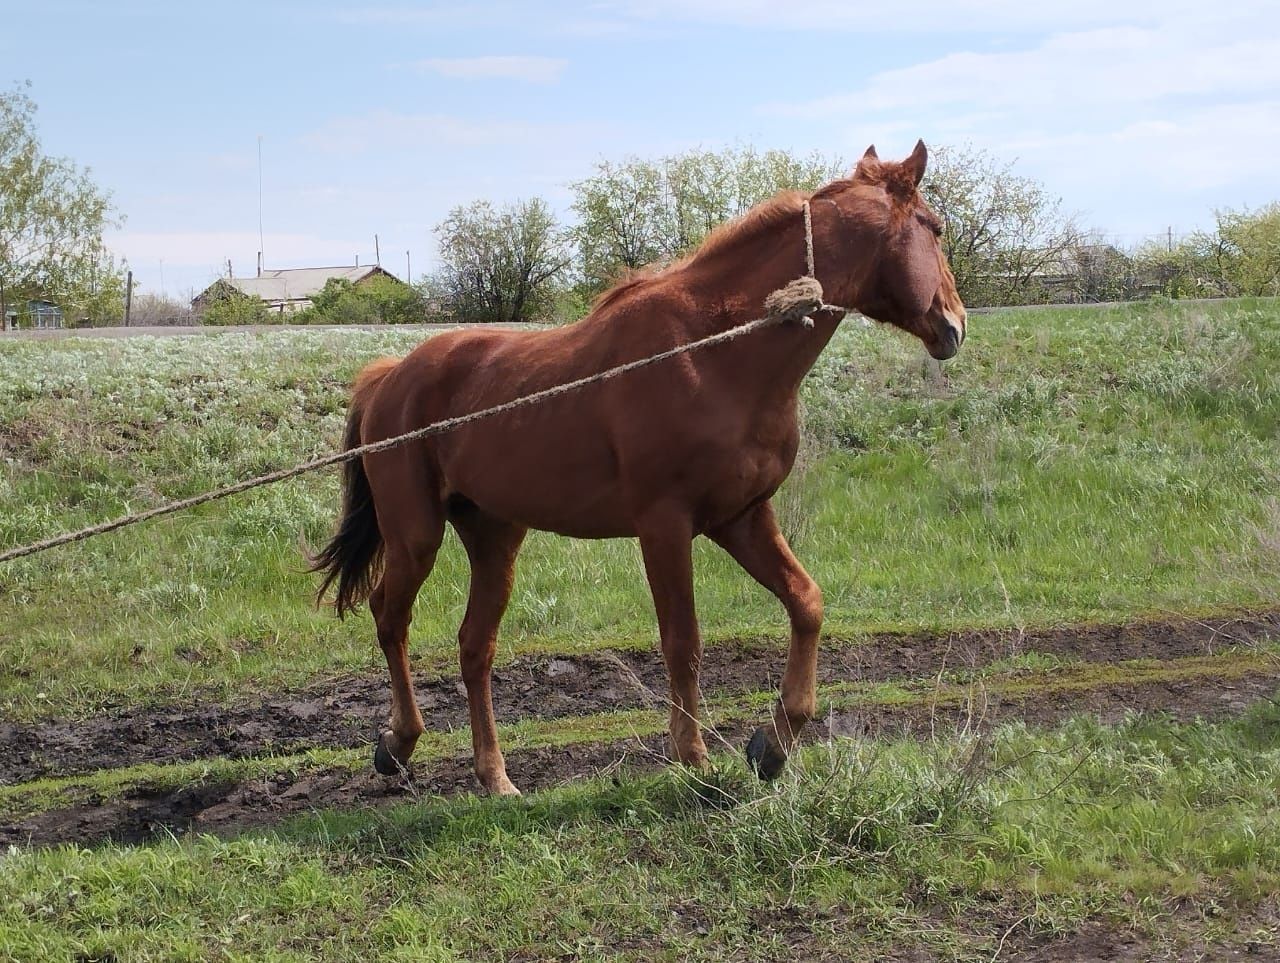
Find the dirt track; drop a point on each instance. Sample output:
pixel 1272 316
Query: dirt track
pixel 346 713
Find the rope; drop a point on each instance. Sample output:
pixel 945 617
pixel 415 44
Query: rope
pixel 435 428
pixel 808 242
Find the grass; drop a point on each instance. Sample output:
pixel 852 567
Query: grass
pixel 1069 465
pixel 864 848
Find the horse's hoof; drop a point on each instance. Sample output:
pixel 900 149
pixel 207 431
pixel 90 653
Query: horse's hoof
pixel 504 788
pixel 763 756
pixel 384 763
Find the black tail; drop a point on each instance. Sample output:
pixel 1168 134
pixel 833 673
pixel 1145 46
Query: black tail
pixel 353 557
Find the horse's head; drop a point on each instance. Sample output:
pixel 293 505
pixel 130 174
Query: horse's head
pixel 888 231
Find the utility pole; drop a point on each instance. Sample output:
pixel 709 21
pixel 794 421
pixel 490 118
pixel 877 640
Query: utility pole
pixel 4 307
pixel 1171 238
pixel 261 245
pixel 128 297
pixel 377 253
pixel 408 271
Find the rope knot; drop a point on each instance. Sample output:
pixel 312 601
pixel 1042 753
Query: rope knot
pixel 795 302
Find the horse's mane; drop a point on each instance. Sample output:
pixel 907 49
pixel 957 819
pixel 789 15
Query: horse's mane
pixel 764 216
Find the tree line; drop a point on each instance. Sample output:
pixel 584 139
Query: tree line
pixel 1008 239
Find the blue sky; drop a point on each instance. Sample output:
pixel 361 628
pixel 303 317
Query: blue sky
pixel 380 118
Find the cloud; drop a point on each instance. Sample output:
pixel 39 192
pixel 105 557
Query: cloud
pixel 439 15
pixel 386 130
pixel 1201 150
pixel 1109 67
pixel 921 16
pixel 532 70
pixel 210 249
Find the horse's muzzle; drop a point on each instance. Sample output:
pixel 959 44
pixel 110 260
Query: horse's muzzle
pixel 947 343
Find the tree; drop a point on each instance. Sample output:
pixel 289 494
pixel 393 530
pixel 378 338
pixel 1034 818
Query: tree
pixel 1005 236
pixel 1248 250
pixel 500 264
pixel 1103 272
pixel 234 308
pixel 154 309
pixel 1240 256
pixel 639 212
pixel 52 216
pixel 376 300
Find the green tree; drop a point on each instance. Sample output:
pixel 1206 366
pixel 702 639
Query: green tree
pixel 500 264
pixel 1240 256
pixel 1191 269
pixel 52 216
pixel 639 212
pixel 1007 239
pixel 376 300
pixel 232 307
pixel 1102 272
pixel 1248 250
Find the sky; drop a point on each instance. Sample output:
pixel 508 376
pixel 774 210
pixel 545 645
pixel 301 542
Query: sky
pixel 380 118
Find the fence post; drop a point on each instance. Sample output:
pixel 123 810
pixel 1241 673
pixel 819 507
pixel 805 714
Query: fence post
pixel 128 297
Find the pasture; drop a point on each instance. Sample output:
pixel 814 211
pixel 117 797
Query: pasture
pixel 1051 572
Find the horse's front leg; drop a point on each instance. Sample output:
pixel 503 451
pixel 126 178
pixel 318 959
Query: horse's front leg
pixel 756 543
pixel 666 542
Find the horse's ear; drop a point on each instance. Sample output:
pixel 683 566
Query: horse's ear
pixel 869 165
pixel 915 164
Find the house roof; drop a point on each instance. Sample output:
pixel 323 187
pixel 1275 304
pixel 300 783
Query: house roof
pixel 294 284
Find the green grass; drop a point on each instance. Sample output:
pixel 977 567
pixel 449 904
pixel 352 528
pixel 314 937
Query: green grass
pixel 864 846
pixel 1070 465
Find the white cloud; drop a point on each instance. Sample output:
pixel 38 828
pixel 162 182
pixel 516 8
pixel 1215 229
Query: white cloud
pixel 210 249
pixel 1137 124
pixel 438 15
pixel 1106 68
pixel 921 16
pixel 1201 150
pixel 385 130
pixel 533 70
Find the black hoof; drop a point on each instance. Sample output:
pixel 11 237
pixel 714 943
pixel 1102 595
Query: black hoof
pixel 383 762
pixel 763 757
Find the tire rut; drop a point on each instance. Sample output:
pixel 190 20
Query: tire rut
pixel 346 712
pixel 227 808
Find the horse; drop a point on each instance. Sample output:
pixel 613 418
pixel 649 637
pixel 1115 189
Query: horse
pixel 694 445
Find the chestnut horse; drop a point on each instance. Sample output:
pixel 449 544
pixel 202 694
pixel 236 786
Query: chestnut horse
pixel 695 445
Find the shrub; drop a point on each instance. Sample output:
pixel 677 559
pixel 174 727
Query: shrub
pixel 236 309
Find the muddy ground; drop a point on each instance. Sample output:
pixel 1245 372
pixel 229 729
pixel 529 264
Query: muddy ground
pixel 347 713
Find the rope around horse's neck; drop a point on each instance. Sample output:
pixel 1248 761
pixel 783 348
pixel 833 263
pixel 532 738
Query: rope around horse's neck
pixel 435 428
pixel 811 271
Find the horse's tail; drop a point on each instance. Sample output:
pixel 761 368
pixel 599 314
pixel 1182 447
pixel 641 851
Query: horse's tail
pixel 353 557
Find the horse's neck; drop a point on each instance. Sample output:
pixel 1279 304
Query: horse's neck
pixel 730 291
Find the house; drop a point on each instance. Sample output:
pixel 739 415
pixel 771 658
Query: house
pixel 36 313
pixel 287 290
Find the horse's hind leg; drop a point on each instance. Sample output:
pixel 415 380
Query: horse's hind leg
pixel 410 554
pixel 756 543
pixel 492 547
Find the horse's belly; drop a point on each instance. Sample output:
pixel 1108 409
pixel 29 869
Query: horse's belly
pixel 592 484
pixel 563 486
